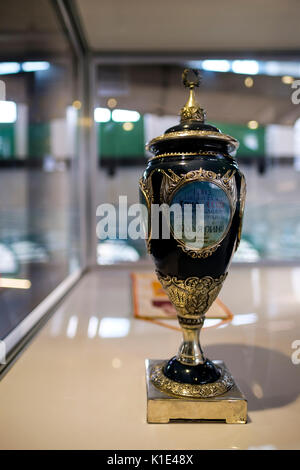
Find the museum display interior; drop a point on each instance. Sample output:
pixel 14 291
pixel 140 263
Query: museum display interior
pixel 84 86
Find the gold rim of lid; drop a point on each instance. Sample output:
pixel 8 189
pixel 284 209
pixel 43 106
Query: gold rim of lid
pixel 233 144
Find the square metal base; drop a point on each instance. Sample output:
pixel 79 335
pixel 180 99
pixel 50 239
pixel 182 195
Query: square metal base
pixel 231 407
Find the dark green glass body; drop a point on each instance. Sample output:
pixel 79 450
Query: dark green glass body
pixel 168 257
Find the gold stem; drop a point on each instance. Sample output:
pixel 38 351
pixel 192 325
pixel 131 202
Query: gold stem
pixel 192 99
pixel 192 109
pixel 190 351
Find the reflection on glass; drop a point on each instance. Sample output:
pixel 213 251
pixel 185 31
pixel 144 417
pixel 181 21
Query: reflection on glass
pixel 257 390
pixel 39 215
pixel 9 282
pixel 72 327
pixel 116 251
pixel 93 327
pixel 244 319
pixel 8 112
pixel 296 283
pixel 114 327
pixel 116 363
pixel 208 322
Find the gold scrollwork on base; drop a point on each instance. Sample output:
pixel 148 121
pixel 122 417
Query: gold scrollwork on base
pixel 163 383
pixel 172 182
pixel 193 296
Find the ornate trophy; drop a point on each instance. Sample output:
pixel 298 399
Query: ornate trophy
pixel 193 165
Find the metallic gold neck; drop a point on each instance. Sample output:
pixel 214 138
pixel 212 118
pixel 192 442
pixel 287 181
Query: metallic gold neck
pixel 192 110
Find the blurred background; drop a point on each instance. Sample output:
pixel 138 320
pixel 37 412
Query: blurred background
pixel 85 84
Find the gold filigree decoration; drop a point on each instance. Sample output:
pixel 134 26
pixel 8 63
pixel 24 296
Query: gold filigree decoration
pixel 242 201
pixel 204 253
pixel 147 190
pixel 172 182
pixel 193 296
pixel 163 383
pixel 194 113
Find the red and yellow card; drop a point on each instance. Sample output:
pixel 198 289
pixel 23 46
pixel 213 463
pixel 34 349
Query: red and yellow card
pixel 151 303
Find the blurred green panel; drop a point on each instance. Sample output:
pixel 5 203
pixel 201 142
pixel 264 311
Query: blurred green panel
pixel 115 142
pixel 39 140
pixel 252 142
pixel 7 141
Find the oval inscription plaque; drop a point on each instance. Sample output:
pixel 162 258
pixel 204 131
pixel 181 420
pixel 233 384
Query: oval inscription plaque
pixel 206 225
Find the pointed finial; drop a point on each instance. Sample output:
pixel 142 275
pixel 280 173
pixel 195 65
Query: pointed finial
pixel 192 110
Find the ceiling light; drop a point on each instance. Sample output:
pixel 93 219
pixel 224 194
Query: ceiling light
pixel 76 104
pixel 9 67
pixel 249 67
pixel 216 65
pixel 252 124
pixel 35 66
pixel 102 115
pixel 122 115
pixel 8 111
pixel 287 79
pixel 248 82
pixel 128 126
pixel 112 103
pixel 8 282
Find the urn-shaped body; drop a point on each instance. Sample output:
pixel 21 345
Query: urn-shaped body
pixel 193 187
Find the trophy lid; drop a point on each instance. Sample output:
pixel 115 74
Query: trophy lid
pixel 192 123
